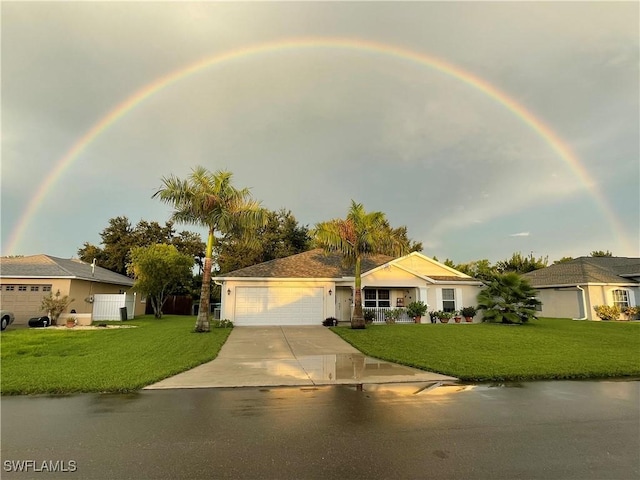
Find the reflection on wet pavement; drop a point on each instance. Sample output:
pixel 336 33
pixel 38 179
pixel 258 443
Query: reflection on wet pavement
pixel 343 368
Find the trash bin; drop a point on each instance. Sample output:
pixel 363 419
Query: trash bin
pixel 123 313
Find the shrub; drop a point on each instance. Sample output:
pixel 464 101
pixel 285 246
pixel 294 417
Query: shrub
pixel 416 309
pixel 369 315
pixel 607 312
pixel 55 305
pixel 225 323
pixel 468 312
pixel 330 322
pixel 632 313
pixel 390 316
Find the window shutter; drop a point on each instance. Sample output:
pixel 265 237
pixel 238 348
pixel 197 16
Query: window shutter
pixel 459 303
pixel 632 298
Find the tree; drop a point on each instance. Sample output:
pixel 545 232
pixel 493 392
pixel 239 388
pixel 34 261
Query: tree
pixel 563 260
pixel 119 237
pixel 600 253
pixel 281 236
pixel 519 264
pixel 509 298
pixel 210 200
pixel 480 269
pixel 157 270
pixel 359 235
pixel 55 305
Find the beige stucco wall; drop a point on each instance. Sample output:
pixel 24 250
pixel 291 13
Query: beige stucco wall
pixel 427 267
pixel 79 290
pixel 566 302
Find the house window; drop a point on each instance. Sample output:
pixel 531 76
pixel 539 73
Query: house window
pixel 449 299
pixel 35 288
pixel 22 288
pixel 10 288
pixel 621 298
pixel 376 298
pixel 46 288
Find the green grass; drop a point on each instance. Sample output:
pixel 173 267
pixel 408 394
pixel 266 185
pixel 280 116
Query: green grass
pixel 542 349
pixel 114 360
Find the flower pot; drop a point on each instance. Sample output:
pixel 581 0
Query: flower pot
pixel 71 323
pixel 417 318
pixel 457 319
pixel 444 320
pixel 468 319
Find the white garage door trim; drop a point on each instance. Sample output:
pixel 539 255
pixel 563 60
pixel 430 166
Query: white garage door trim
pixel 279 306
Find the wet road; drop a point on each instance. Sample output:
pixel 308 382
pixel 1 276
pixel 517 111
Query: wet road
pixel 540 430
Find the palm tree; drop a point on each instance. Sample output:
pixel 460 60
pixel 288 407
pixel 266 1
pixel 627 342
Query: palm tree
pixel 509 298
pixel 208 199
pixel 361 234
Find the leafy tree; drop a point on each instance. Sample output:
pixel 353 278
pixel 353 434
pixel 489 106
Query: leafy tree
pixel 480 269
pixel 563 260
pixel 509 298
pixel 210 200
pixel 359 235
pixel 119 237
pixel 55 305
pixel 157 270
pixel 280 237
pixel 600 253
pixel 520 264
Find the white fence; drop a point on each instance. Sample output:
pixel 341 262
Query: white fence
pixel 107 306
pixel 380 313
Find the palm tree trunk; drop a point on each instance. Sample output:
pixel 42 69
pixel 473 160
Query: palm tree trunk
pixel 202 323
pixel 357 320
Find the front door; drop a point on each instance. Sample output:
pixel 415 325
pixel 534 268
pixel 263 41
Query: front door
pixel 344 300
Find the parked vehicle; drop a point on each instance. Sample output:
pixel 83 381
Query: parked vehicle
pixel 6 318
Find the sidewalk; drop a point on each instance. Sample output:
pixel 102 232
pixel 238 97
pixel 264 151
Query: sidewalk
pixel 289 356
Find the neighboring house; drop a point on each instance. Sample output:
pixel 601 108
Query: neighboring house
pixel 572 289
pixel 306 288
pixel 24 281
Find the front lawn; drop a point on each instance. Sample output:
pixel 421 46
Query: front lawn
pixel 543 349
pixel 113 360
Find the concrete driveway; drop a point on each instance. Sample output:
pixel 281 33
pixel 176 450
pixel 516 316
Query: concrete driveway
pixel 288 356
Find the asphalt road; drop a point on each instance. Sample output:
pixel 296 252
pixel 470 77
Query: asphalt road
pixel 540 430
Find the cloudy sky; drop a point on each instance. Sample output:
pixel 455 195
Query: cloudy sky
pixel 485 128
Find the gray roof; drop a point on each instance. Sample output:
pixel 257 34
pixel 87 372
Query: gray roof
pixel 585 270
pixel 46 266
pixel 310 264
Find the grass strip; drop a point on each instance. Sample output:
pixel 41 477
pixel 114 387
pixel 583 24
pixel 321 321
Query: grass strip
pixel 543 349
pixel 36 361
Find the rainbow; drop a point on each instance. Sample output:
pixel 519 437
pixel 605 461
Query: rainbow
pixel 542 130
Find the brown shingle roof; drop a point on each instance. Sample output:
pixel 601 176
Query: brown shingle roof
pixel 586 270
pixel 311 264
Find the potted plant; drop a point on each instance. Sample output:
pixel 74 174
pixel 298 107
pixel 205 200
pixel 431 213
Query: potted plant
pixel 631 312
pixel 457 317
pixel 444 317
pixel 369 315
pixel 391 315
pixel 468 313
pixel 416 310
pixel 71 322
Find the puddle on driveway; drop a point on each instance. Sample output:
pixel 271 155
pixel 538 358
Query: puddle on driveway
pixel 344 368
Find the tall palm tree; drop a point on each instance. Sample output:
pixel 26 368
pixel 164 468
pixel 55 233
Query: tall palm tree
pixel 208 199
pixel 359 235
pixel 509 298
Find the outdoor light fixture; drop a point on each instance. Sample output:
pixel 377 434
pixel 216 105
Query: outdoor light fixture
pixel 228 291
pixel 330 292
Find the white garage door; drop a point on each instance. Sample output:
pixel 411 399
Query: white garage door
pixel 23 300
pixel 279 306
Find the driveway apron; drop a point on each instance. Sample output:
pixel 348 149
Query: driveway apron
pixel 292 356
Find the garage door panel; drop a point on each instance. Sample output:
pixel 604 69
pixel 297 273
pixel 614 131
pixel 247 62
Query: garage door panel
pixel 279 306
